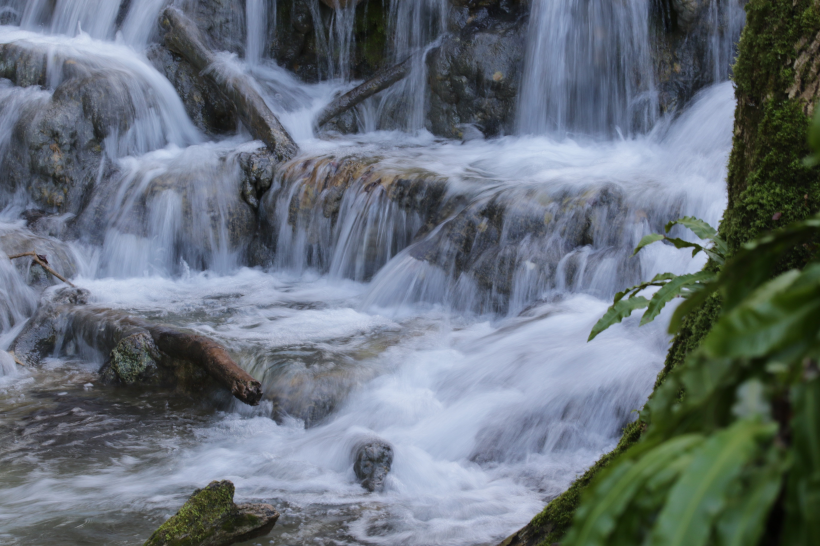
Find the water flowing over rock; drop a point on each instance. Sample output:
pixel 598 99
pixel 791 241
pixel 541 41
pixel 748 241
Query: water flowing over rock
pixel 416 279
pixel 373 461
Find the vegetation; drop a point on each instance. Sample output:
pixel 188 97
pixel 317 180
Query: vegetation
pixel 731 449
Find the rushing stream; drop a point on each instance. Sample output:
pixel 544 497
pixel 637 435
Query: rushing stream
pixel 373 323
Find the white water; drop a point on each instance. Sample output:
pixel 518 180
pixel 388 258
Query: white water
pixel 493 402
pixel 598 79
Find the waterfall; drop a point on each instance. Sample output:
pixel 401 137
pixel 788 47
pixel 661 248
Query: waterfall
pixel 588 69
pixel 389 285
pixel 725 19
pixel 257 23
pixel 415 27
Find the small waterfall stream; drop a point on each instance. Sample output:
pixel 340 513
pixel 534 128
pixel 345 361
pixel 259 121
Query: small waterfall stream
pixel 389 284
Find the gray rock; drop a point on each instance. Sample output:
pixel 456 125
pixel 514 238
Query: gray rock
pixel 258 168
pixel 474 76
pixel 56 152
pixel 18 241
pixel 39 337
pixel 373 462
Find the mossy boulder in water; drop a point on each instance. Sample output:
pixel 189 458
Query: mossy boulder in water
pixel 134 361
pixel 210 518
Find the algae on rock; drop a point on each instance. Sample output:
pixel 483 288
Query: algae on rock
pixel 210 518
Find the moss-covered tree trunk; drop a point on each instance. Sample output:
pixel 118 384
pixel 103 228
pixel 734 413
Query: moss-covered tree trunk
pixel 777 86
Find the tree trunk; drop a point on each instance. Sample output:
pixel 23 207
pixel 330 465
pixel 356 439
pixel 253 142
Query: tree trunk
pixel 183 37
pixel 381 81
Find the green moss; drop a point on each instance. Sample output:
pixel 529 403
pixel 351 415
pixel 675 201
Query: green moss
pixel 198 518
pixel 556 518
pixel 768 184
pixel 371 37
pixel 133 360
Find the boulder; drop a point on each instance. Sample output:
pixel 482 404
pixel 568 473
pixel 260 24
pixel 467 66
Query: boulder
pixel 373 461
pixel 38 338
pixel 134 361
pixel 211 518
pixel 15 241
pixel 475 75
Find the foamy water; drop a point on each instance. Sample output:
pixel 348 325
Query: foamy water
pixel 493 402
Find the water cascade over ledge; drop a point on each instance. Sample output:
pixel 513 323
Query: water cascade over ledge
pixel 384 285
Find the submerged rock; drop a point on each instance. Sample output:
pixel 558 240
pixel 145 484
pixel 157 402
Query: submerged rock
pixel 210 518
pixel 373 462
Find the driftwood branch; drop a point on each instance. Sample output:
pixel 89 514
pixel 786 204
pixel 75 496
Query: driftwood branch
pixel 210 356
pixel 41 261
pixel 381 81
pixel 67 316
pixel 110 326
pixel 17 360
pixel 183 37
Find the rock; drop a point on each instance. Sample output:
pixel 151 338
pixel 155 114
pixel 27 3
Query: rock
pixel 373 461
pixel 258 168
pixel 688 11
pixel 474 76
pixel 210 518
pixel 134 361
pixel 19 241
pixel 56 151
pixel 39 337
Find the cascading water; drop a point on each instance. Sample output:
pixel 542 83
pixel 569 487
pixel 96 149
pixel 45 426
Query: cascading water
pixel 588 68
pixel 430 294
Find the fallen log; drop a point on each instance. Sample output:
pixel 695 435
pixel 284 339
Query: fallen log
pixel 139 351
pixel 381 81
pixel 212 357
pixel 184 38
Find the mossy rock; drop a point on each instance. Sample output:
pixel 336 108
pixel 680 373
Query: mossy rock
pixel 133 361
pixel 210 518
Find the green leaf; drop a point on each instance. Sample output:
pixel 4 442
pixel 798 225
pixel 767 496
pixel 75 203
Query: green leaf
pixel 616 313
pixel 700 493
pixel 702 230
pixel 681 244
pixel 779 314
pixel 659 280
pixel 648 240
pixel 802 504
pixel 698 227
pixel 609 497
pixel 744 520
pixel 754 264
pixel 671 290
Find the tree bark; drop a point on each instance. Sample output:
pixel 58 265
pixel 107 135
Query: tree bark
pixel 183 37
pixel 381 81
